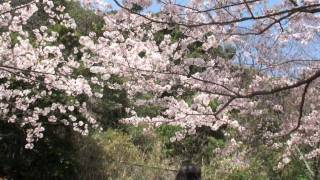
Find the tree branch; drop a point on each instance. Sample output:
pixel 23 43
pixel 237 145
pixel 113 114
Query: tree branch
pixel 17 8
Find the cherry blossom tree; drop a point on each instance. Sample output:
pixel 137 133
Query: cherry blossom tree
pixel 268 69
pixel 203 63
pixel 39 84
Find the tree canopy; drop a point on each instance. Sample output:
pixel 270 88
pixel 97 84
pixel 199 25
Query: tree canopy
pixel 247 70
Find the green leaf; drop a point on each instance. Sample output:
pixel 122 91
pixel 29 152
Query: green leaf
pixel 176 35
pixel 167 131
pixel 214 104
pixel 136 8
pixel 142 54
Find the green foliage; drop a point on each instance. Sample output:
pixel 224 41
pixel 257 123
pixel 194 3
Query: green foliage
pixel 224 52
pixel 195 50
pixel 142 54
pixel 187 96
pixel 193 69
pixel 142 141
pixel 148 110
pixel 215 143
pixel 159 36
pixel 82 70
pixel 174 33
pixel 52 158
pixel 213 104
pixel 113 155
pixel 167 131
pixel 136 8
pixel 196 148
pixel 116 79
pixel 247 76
pixel 111 107
pixel 87 21
pixel 227 170
pixel 123 155
pixel 14 38
pixel 295 170
pixel 68 37
pixel 144 96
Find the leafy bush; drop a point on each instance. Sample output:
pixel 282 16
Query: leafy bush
pixel 113 155
pixel 52 158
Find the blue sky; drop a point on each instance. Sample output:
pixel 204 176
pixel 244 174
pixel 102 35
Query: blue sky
pixel 155 6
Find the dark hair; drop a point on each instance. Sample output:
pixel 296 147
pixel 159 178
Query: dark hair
pixel 189 172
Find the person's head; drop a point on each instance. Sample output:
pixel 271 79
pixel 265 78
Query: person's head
pixel 189 172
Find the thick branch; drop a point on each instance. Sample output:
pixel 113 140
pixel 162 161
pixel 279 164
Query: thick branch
pixel 301 108
pixel 276 90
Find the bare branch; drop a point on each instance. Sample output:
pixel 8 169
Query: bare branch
pixel 17 8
